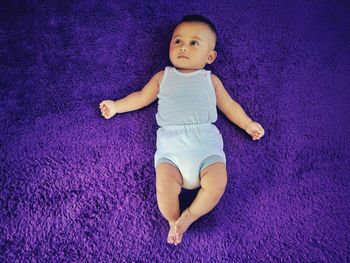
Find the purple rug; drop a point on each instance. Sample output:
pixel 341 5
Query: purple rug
pixel 75 187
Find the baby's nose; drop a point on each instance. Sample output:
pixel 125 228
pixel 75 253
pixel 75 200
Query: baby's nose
pixel 182 49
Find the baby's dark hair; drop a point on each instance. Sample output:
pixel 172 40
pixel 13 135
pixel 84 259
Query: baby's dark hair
pixel 200 19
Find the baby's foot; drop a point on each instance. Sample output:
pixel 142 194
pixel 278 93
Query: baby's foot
pixel 185 220
pixel 173 238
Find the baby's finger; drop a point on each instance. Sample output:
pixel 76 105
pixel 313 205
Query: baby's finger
pixel 105 109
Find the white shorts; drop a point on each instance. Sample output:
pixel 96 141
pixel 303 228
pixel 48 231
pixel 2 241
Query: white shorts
pixel 190 148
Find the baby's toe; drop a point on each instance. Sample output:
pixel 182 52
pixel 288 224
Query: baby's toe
pixel 178 239
pixel 171 238
pixel 171 234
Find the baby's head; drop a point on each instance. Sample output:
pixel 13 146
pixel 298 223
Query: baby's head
pixel 193 42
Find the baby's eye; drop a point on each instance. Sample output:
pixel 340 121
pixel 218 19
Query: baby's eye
pixel 195 42
pixel 177 41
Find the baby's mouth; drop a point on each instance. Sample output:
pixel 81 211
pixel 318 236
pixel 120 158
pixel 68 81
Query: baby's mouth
pixel 183 57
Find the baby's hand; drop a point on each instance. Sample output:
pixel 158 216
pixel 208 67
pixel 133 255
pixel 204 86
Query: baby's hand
pixel 255 130
pixel 108 108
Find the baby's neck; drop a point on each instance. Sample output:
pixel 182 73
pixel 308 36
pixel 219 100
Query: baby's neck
pixel 186 70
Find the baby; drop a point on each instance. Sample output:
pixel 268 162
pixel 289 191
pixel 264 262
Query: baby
pixel 189 151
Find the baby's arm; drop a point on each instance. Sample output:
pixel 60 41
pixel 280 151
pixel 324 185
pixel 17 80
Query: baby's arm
pixel 233 111
pixel 133 101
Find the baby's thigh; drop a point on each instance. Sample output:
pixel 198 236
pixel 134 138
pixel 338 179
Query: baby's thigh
pixel 168 178
pixel 214 176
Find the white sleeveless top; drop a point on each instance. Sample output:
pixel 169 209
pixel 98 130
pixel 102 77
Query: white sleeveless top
pixel 186 98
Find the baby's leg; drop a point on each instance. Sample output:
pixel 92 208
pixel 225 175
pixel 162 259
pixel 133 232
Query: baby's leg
pixel 168 184
pixel 213 184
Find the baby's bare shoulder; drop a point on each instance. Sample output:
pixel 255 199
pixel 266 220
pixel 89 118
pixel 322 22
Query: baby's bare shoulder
pixel 160 76
pixel 215 81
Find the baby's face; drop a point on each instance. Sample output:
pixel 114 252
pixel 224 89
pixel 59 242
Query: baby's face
pixel 191 46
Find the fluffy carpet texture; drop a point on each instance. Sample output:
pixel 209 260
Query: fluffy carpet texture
pixel 78 188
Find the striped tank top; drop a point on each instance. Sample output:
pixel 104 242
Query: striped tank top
pixel 186 98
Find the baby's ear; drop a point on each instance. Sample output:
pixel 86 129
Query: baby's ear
pixel 212 56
